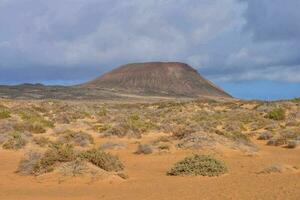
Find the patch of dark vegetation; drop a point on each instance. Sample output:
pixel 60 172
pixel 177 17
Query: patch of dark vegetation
pixel 276 114
pixel 4 113
pixel 198 165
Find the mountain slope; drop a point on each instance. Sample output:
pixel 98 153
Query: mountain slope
pixel 161 78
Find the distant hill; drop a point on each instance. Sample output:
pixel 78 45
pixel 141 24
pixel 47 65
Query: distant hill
pixel 157 78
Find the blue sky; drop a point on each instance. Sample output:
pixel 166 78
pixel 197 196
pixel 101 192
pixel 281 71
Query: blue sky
pixel 248 47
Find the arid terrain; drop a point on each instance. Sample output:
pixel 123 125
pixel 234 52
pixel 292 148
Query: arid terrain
pixel 230 149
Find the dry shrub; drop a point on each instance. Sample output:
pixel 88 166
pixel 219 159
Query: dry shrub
pixel 76 138
pixel 74 168
pixel 277 141
pixel 133 125
pixel 36 163
pixel 196 165
pixel 117 130
pixel 164 147
pixel 31 127
pixel 15 141
pixel 57 153
pixel 27 166
pixel 265 136
pixel 42 141
pixel 62 119
pixel 235 136
pixel 144 149
pixel 33 122
pixel 291 144
pixel 182 131
pixel 103 160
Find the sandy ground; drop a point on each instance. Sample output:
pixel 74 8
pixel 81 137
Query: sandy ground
pixel 147 179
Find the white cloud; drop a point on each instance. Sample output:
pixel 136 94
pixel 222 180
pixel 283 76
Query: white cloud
pixel 208 34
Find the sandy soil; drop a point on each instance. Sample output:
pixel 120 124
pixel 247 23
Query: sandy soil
pixel 147 179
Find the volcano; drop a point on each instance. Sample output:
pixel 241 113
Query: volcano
pixel 157 78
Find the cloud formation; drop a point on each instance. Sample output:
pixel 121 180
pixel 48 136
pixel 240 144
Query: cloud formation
pixel 75 40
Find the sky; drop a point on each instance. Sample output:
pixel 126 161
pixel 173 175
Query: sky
pixel 251 48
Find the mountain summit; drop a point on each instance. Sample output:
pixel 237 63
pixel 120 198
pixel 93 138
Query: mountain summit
pixel 157 78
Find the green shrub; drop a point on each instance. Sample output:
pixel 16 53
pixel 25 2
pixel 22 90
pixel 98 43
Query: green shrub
pixel 196 165
pixel 276 114
pixel 103 160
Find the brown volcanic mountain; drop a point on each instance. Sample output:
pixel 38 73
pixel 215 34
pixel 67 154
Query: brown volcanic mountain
pixel 161 78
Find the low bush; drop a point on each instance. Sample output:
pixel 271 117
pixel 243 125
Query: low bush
pixel 265 136
pixel 144 149
pixel 276 114
pixel 291 144
pixel 28 165
pixel 57 153
pixel 196 165
pixel 277 141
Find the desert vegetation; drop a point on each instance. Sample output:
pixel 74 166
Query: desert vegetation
pixel 37 163
pixel 65 134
